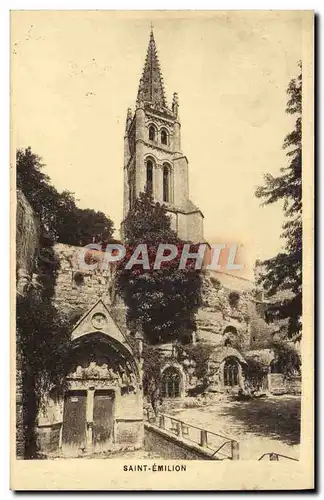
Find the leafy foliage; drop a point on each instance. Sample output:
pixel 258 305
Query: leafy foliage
pixel 255 372
pixel 199 353
pixel 284 271
pixel 43 341
pixel 161 302
pixel 43 344
pixel 288 360
pixel 62 220
pixel 42 338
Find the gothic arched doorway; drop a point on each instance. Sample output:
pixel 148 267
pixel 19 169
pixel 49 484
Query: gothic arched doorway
pixel 102 407
pixel 171 383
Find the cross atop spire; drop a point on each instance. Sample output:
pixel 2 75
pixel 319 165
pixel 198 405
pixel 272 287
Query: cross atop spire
pixel 151 84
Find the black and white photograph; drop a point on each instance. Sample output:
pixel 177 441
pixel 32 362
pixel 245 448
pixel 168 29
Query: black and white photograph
pixel 161 176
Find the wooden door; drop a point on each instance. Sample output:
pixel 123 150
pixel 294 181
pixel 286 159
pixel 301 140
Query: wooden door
pixel 74 419
pixel 103 418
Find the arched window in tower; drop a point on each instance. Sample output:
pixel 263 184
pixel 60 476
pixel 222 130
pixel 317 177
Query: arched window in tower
pixel 171 383
pixel 164 137
pixel 149 175
pixel 166 183
pixel 151 133
pixel 231 372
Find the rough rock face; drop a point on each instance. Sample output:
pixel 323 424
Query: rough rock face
pixel 222 311
pixel 230 317
pixel 229 311
pixel 27 236
pixel 78 288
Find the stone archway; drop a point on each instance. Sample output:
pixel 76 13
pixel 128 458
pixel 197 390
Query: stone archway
pixel 225 369
pixel 101 381
pixel 173 381
pixel 231 373
pixel 103 406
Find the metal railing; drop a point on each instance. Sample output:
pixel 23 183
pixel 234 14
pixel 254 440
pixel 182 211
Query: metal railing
pixel 276 457
pixel 221 447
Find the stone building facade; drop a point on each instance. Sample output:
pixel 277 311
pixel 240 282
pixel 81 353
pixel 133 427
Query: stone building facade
pixel 102 408
pixel 153 156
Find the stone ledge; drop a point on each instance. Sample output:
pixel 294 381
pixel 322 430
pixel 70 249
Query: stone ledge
pixel 176 444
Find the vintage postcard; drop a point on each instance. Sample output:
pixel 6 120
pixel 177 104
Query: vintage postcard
pixel 162 250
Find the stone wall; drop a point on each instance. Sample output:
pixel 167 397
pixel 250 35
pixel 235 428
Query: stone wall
pixel 170 446
pixel 279 384
pixel 27 235
pixel 49 437
pixel 216 312
pixel 294 385
pixel 78 288
pixel 127 423
pixel 219 313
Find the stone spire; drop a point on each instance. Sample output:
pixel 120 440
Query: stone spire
pixel 151 84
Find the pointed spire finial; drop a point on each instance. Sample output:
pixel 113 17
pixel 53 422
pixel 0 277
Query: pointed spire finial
pixel 151 88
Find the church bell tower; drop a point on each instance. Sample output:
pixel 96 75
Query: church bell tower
pixel 153 156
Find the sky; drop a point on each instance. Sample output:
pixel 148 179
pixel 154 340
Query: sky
pixel 75 73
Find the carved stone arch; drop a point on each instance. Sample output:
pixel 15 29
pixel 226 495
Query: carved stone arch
pixel 98 320
pixel 102 405
pixel 95 347
pixel 164 135
pixel 231 373
pixel 152 131
pixel 230 334
pixel 151 157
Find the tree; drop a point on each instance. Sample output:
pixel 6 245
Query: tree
pixel 255 370
pixel 283 272
pixel 152 374
pixel 161 302
pixel 287 358
pixel 200 354
pixel 43 344
pixel 43 340
pixel 62 220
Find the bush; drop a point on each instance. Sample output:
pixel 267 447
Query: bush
pixel 199 353
pixel 287 359
pixel 255 372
